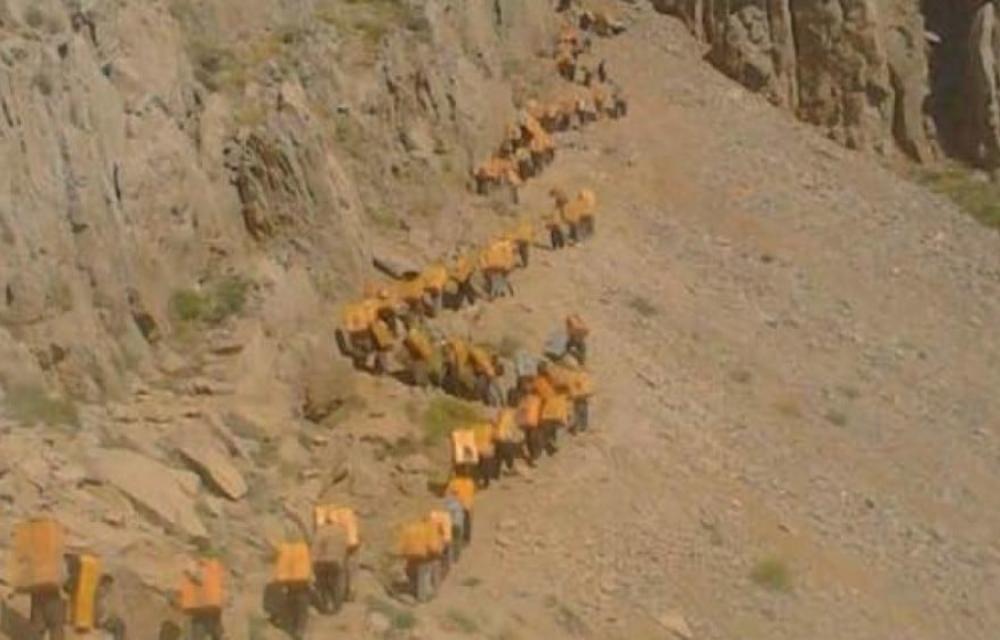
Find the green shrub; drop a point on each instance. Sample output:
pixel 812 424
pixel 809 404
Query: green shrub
pixel 462 622
pixel 836 418
pixel 445 414
pixel 643 307
pixel 34 17
pixel 220 300
pixel 31 404
pixel 772 574
pixel 399 619
pixel 188 305
pixel 976 196
pixel 741 376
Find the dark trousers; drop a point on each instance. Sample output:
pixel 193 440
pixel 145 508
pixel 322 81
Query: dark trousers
pixel 581 414
pixel 48 615
pixel 506 453
pixel 206 625
pixel 466 293
pixel 557 237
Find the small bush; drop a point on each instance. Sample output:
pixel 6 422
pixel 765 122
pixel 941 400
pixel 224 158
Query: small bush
pixel 571 622
pixel 30 405
pixel 836 418
pixel 222 299
pixel 445 414
pixel 976 196
pixel 643 307
pixel 788 407
pixel 373 20
pixel 229 297
pixel 772 574
pixel 462 622
pixel 188 305
pixel 43 83
pixel 250 115
pixel 741 376
pixel 34 17
pixel 849 392
pixel 399 619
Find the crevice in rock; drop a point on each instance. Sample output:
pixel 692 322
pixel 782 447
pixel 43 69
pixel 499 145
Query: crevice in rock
pixel 950 23
pixel 116 178
pixel 6 113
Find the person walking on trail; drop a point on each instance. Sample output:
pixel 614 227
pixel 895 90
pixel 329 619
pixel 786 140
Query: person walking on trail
pixel 47 617
pixel 523 235
pixel 441 518
pixel 557 235
pixel 458 378
pixel 105 617
pixel 434 279
pixel 38 569
pixel 581 388
pixel 293 578
pixel 334 549
pixel 421 544
pixel 202 598
pixel 525 370
pixel 509 439
pixel 90 591
pixel 388 307
pixel 489 468
pixel 463 292
pixel 457 513
pixel 555 416
pixel 496 263
pixel 463 489
pixel 487 369
pixel 420 349
pixel 577 332
pixel 529 411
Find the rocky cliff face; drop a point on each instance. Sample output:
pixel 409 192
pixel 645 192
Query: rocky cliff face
pixel 875 74
pixel 156 147
pixel 981 139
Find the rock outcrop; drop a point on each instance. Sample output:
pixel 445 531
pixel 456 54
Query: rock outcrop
pixel 150 146
pixel 982 135
pixel 856 68
pixel 165 495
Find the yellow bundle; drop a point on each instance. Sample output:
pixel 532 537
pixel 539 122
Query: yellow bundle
pixel 463 447
pixel 419 344
pixel 484 437
pixel 36 561
pixel 293 563
pixel 556 409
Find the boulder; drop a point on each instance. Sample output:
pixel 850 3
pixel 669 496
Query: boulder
pixel 676 624
pixel 152 487
pixel 210 461
pixel 910 84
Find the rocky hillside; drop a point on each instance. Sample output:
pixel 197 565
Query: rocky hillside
pixel 874 74
pixel 170 152
pixel 795 431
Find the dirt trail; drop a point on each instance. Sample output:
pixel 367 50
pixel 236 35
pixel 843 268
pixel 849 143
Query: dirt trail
pixel 795 364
